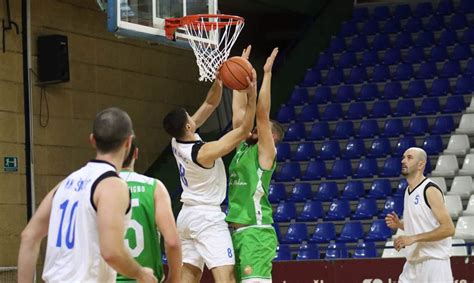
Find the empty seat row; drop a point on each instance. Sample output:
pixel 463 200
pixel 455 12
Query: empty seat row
pixel 333 251
pixel 447 166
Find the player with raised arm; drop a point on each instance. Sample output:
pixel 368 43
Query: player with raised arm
pixel 151 216
pixel 85 216
pixel 251 169
pixel 204 234
pixel 427 224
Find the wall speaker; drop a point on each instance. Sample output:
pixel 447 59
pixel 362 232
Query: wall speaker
pixel 53 59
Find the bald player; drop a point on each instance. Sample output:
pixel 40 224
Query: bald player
pixel 427 224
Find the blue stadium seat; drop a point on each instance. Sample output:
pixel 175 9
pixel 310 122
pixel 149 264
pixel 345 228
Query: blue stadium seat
pixel 285 211
pixel 312 78
pixel 355 148
pixel 347 60
pixel 424 39
pixel 438 53
pixel 392 167
pixel 324 232
pixel 315 171
pixel 289 172
pixel 282 253
pixel 380 109
pixel 341 169
pixel 276 193
pixel 400 191
pixel 322 95
pixel 381 41
pixel 296 233
pixel 450 69
pixel 325 61
pixel 457 21
pixel 403 144
pixel 423 9
pixel 351 232
pixel 338 210
pixel 309 113
pixel 402 11
pixel 308 252
pixel 336 250
pixel 466 6
pixel 411 26
pixel 393 128
pixel 468 36
pixel 283 151
pixel 416 89
pixel 337 45
pixel 380 73
pixel 357 75
pixel 454 104
pixel 469 71
pixel 348 29
pixel 428 167
pixel 392 25
pixel 365 250
pixel 353 190
pixel 435 23
pixel 299 96
pixel 427 70
pixel 344 130
pixel 358 43
pixel 440 87
pixel 369 58
pixel 381 13
pixel 444 8
pixel 356 110
pixel 345 93
pixel 405 107
pixel 327 191
pixel 295 132
pixel 380 189
pixel 380 148
pixel 433 145
pixel 312 211
pixel 286 114
pixel 368 129
pixel 403 72
pixel 379 231
pixel 369 28
pixel 368 92
pixel 304 151
pixel 461 52
pixel 332 112
pixel 360 14
pixel 300 192
pixel 277 231
pixel 367 168
pixel 330 150
pixel 392 90
pixel 418 126
pixel 447 37
pixel 319 131
pixel 429 106
pixel 334 77
pixel 414 55
pixel 464 85
pixel 391 56
pixel 366 209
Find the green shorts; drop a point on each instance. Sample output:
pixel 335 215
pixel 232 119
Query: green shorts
pixel 255 248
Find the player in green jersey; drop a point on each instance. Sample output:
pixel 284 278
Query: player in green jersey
pixel 250 172
pixel 151 215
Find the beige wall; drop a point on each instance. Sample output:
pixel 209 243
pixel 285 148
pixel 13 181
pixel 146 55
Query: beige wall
pixel 145 80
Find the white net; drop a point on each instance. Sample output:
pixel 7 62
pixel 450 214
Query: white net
pixel 212 40
pixel 7 274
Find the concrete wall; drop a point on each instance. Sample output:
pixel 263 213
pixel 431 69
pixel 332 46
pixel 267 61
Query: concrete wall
pixel 145 80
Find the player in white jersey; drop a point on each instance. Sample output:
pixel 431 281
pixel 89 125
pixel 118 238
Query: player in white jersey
pixel 84 216
pixel 201 223
pixel 427 224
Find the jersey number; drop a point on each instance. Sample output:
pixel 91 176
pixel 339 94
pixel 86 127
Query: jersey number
pixel 138 230
pixel 182 175
pixel 71 226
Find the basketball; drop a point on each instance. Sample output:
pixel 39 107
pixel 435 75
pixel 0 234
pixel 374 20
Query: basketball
pixel 234 72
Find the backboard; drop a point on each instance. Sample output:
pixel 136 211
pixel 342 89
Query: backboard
pixel 145 19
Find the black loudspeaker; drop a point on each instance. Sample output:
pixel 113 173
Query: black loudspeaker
pixel 53 61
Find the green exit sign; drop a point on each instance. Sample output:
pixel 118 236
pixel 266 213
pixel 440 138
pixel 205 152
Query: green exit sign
pixel 10 163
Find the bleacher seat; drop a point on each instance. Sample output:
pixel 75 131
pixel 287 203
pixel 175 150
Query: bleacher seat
pixel 312 78
pixel 379 231
pixel 296 233
pixel 402 11
pixel 457 21
pixel 381 13
pixel 324 232
pixel 427 70
pixel 414 55
pixel 392 204
pixel 392 25
pixel 380 148
pixel 465 228
pixel 337 45
pixel 338 210
pixel 327 191
pixel 443 125
pixel 285 211
pixel 355 148
pixel 468 36
pixel 369 28
pixel 360 14
pixel 416 88
pixel 405 107
pixel 295 132
pixel 469 211
pixel 369 58
pixel 380 109
pixel 366 209
pixel 308 252
pixel 365 250
pixel 440 87
pixel 368 129
pixel 441 182
pixel 319 131
pixel 353 190
pixel 288 172
pixel 345 93
pixel 332 112
pixel 435 23
pixel 344 130
pixel 403 144
pixel 391 168
pixel 348 29
pixel 424 39
pixel 322 95
pixel 454 104
pixel 468 165
pixel 466 6
pixel 351 232
pixel 283 253
pixel 433 145
pixel 423 9
pixel 380 189
pixel 283 151
pixel 470 108
pixel 276 227
pixel 309 113
pixel 448 37
pixel 444 7
pixel 391 56
pixel 458 248
pixel 454 205
pixel 330 150
pixel 300 192
pixel 304 151
pixel 356 110
pixel 461 52
pixel 325 61
pixel 464 85
pixel 466 125
pixel 334 77
pixel 380 73
pixel 299 96
pixel 341 169
pixel 336 250
pixel 412 25
pixel 450 69
pixel 392 90
pixel 446 166
pixel 315 170
pixel 286 114
pixel 429 106
pixel 438 53
pixel 368 92
pixel 276 193
pixel 312 211
pixel 367 168
pixel 393 128
pixel 347 60
pixel 458 145
pixel 381 42
pixel 357 75
pixel 358 43
pixel 402 185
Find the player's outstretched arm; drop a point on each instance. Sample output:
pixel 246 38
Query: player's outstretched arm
pixel 266 144
pixel 210 151
pixel 239 99
pixel 165 221
pixel 213 99
pixel 31 238
pixel 112 200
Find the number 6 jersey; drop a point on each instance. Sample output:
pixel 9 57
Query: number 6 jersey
pixel 201 186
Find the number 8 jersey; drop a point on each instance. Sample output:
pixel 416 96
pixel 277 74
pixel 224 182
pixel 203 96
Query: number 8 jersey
pixel 72 252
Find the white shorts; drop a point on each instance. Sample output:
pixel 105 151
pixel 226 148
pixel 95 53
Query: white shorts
pixel 205 237
pixel 427 271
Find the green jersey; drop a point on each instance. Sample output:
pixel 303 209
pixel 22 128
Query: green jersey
pixel 248 188
pixel 142 236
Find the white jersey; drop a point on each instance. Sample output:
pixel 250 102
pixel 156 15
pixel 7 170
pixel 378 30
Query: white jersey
pixel 201 186
pixel 418 218
pixel 73 253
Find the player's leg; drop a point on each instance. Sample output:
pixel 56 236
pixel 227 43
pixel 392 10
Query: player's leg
pixel 190 273
pixel 408 274
pixel 223 274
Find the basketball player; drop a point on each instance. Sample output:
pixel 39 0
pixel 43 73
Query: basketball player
pixel 426 222
pixel 251 169
pixel 151 210
pixel 85 215
pixel 204 234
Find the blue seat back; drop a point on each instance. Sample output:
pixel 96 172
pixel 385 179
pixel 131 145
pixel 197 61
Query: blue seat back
pixel 366 209
pixel 327 191
pixel 312 211
pixel 341 169
pixel 319 131
pixel 380 148
pixel 353 190
pixel 276 192
pixel 304 151
pixel 380 188
pixel 285 212
pixel 324 232
pixel 300 192
pixel 392 167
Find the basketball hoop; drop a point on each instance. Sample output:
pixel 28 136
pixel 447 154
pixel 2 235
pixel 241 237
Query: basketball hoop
pixel 210 36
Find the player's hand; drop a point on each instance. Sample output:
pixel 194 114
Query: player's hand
pixel 252 88
pixel 392 221
pixel 147 276
pixel 403 241
pixel 246 52
pixel 267 68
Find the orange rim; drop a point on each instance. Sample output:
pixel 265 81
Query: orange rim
pixel 171 24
